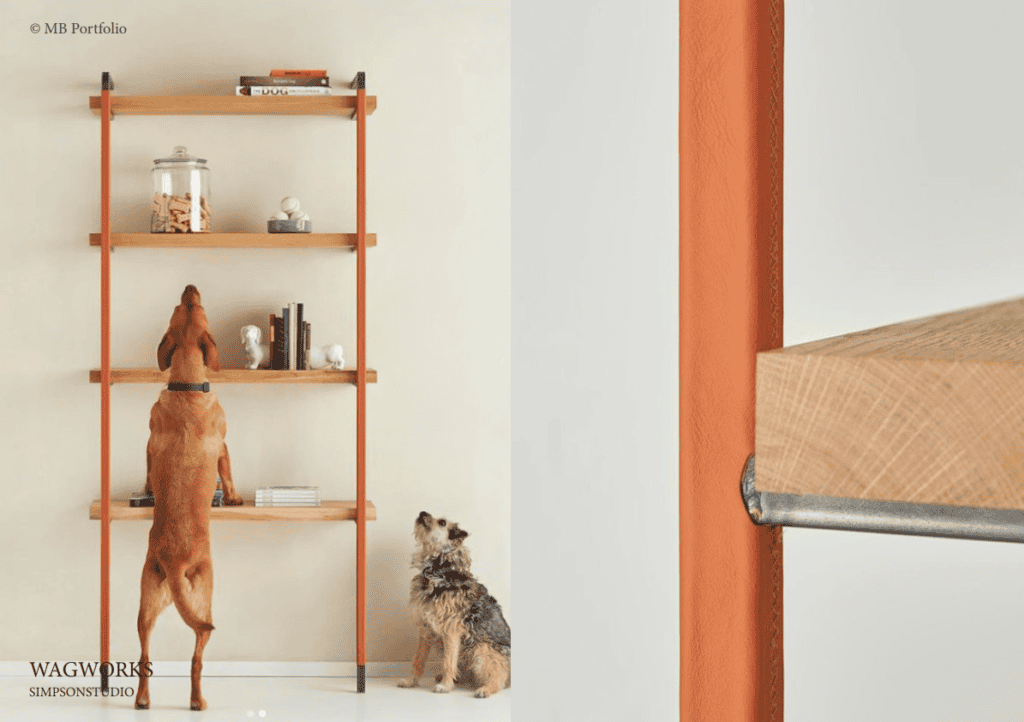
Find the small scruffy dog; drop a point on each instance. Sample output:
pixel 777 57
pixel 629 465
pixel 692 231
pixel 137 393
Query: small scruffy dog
pixel 453 609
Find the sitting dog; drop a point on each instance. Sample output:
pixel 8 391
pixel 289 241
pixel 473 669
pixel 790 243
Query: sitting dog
pixel 185 453
pixel 454 609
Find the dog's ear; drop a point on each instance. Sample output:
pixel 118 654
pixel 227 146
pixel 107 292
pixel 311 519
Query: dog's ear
pixel 455 534
pixel 165 351
pixel 211 357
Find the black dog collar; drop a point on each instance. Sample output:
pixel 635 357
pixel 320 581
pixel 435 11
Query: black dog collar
pixel 204 387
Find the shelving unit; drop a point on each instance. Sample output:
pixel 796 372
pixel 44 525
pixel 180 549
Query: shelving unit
pixel 355 107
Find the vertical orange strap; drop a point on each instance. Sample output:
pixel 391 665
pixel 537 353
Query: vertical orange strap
pixel 361 374
pixel 730 204
pixel 105 375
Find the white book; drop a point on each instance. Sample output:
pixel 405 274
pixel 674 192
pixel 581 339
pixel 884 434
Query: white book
pixel 287 503
pixel 288 488
pixel 280 90
pixel 293 335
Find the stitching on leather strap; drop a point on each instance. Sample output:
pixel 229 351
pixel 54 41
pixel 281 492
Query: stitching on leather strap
pixel 775 308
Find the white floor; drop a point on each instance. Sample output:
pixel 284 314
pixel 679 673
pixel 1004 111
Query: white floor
pixel 240 699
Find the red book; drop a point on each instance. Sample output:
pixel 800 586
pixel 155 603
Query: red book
pixel 282 73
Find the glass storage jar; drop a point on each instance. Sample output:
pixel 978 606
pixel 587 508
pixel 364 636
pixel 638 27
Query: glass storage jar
pixel 181 194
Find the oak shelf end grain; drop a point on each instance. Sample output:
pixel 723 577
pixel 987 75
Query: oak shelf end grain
pixel 929 411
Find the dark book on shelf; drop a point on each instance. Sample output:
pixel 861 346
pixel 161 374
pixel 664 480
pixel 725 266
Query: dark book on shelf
pixel 300 339
pixel 287 80
pixel 286 338
pixel 278 349
pixel 307 343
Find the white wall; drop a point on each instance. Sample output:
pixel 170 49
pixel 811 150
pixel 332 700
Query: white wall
pixel 596 367
pixel 438 311
pixel 903 195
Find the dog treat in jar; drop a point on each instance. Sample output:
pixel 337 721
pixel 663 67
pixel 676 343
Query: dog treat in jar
pixel 181 194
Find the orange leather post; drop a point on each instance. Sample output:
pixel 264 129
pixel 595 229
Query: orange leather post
pixel 730 146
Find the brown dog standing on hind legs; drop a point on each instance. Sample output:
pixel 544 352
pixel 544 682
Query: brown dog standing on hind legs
pixel 185 453
pixel 454 610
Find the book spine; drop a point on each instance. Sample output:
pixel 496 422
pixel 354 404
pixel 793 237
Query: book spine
pixel 308 345
pixel 300 339
pixel 286 340
pixel 272 341
pixel 293 312
pixel 278 342
pixel 284 73
pixel 300 81
pixel 259 90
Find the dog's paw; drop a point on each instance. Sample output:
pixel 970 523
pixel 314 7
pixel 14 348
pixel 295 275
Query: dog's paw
pixel 198 704
pixel 139 704
pixel 442 688
pixel 482 693
pixel 235 500
pixel 406 683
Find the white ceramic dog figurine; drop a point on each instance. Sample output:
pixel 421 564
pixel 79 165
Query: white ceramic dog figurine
pixel 255 352
pixel 331 355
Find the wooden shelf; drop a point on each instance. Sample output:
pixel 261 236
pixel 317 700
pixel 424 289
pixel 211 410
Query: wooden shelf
pixel 327 511
pixel 233 240
pixel 238 376
pixel 927 412
pixel 344 105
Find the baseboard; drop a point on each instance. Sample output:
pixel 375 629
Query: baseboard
pixel 232 669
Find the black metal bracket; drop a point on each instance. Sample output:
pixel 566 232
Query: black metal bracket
pixel 359 82
pixel 108 84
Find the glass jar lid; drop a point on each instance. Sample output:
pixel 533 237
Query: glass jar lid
pixel 181 156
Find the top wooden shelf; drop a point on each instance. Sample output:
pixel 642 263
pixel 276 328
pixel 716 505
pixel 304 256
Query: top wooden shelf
pixel 344 105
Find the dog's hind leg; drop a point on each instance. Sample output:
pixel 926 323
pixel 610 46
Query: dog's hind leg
pixel 419 660
pixel 200 599
pixel 156 596
pixel 492 669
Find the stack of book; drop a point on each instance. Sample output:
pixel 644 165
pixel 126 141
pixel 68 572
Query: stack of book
pixel 285 82
pixel 289 339
pixel 288 496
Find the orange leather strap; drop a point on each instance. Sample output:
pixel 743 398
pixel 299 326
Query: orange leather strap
pixel 730 203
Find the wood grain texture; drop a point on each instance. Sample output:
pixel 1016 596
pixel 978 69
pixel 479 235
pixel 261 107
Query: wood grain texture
pixel 930 411
pixel 233 240
pixel 343 105
pixel 327 511
pixel 238 376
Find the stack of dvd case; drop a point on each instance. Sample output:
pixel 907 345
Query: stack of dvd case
pixel 288 496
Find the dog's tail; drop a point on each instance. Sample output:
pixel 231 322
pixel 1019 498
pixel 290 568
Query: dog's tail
pixel 176 581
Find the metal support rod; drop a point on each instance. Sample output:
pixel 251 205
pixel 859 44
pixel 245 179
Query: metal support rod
pixel 105 374
pixel 887 517
pixel 361 378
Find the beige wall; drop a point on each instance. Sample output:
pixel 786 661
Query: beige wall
pixel 438 312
